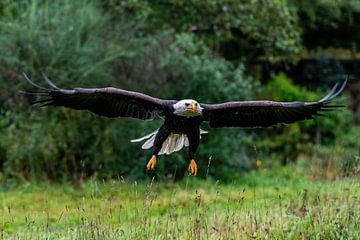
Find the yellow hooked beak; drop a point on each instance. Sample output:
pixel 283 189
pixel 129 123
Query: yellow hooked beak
pixel 192 107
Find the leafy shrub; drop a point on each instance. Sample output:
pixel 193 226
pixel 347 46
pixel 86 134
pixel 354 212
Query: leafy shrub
pixel 203 75
pixel 328 24
pixel 75 43
pixel 231 27
pixel 291 140
pixel 81 45
pixel 137 45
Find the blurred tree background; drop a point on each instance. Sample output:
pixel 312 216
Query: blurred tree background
pixel 209 50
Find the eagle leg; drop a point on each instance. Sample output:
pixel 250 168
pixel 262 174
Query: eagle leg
pixel 192 167
pixel 194 140
pixel 152 163
pixel 160 137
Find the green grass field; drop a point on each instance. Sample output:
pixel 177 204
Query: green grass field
pixel 261 205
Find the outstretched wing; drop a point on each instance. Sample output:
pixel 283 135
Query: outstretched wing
pixel 267 113
pixel 109 101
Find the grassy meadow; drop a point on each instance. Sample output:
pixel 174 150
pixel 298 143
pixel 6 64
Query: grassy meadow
pixel 53 160
pixel 264 204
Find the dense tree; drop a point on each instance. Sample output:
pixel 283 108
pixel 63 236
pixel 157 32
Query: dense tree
pixel 169 49
pixel 238 30
pixel 329 23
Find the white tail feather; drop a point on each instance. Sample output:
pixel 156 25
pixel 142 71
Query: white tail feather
pixel 145 137
pixel 174 142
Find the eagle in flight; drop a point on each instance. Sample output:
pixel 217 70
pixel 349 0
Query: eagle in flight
pixel 182 118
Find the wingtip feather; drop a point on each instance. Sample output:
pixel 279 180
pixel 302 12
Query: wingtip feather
pixel 32 83
pixel 335 91
pixel 49 81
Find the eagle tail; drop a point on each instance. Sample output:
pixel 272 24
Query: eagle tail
pixel 174 143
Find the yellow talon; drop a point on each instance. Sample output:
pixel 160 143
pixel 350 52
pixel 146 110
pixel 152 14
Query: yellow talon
pixel 192 167
pixel 152 163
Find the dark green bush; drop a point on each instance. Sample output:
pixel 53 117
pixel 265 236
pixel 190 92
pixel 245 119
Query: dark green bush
pixel 80 45
pixel 329 24
pixel 144 46
pixel 238 30
pixel 291 140
pixel 75 43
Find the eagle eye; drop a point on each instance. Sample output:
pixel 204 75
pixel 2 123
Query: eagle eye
pixel 187 104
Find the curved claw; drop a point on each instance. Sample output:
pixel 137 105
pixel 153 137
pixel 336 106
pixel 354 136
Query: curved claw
pixel 192 167
pixel 152 163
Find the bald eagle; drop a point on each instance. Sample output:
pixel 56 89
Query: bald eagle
pixel 182 119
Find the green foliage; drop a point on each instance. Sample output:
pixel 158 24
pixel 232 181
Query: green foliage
pixel 168 49
pixel 293 139
pixel 329 23
pixel 77 50
pixel 70 40
pixel 204 75
pixel 78 43
pixel 280 88
pixel 231 26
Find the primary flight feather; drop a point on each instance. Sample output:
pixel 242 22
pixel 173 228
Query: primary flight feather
pixel 182 119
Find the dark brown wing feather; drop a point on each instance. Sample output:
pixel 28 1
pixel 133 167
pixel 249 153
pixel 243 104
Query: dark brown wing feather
pixel 266 113
pixel 109 102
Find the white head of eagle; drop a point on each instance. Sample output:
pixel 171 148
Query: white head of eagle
pixel 187 108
